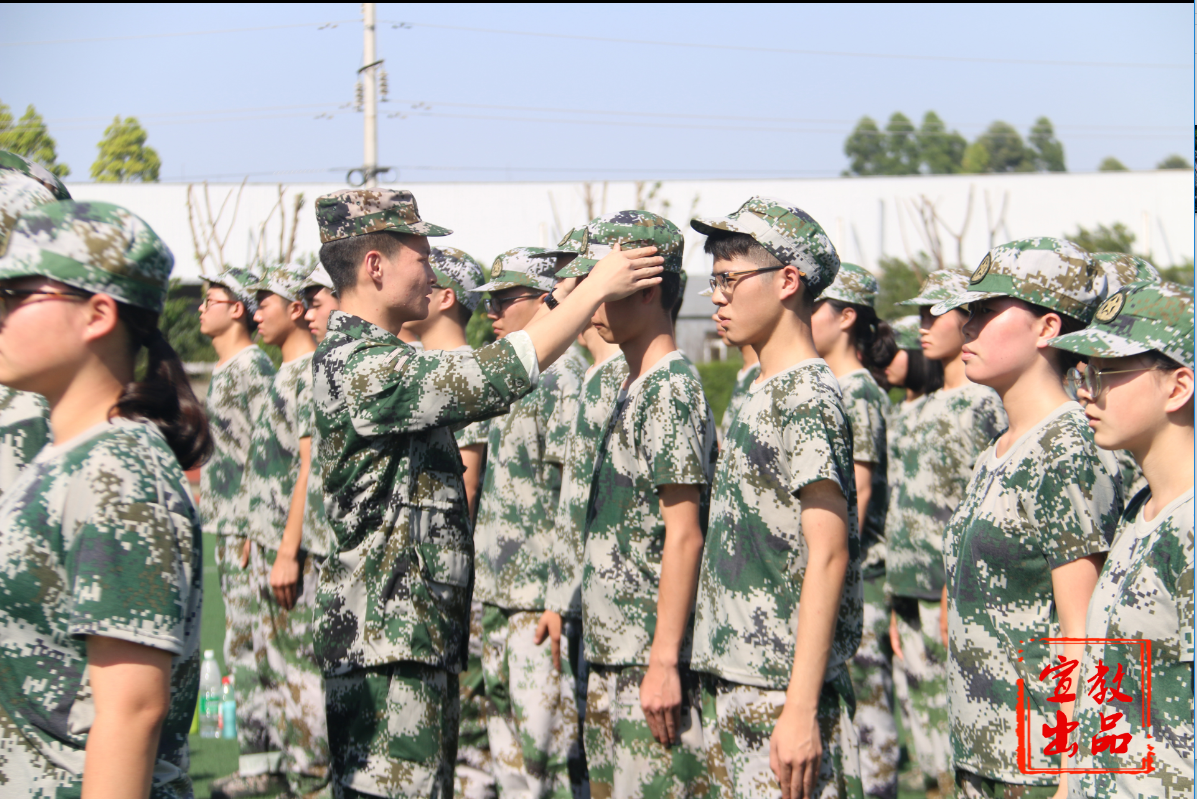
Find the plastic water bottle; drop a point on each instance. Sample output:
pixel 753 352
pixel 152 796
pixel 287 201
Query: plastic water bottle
pixel 228 709
pixel 210 696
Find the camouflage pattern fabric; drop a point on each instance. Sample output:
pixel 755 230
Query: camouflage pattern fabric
pixel 273 464
pixel 285 681
pixel 12 163
pixel 940 286
pixel 24 430
pixel 24 185
pixel 1052 273
pixel 475 432
pixel 319 278
pixel 239 592
pixel 660 433
pixel 474 777
pixel 285 280
pixel 972 786
pixel 521 266
pixel 459 271
pixel 393 731
pixel 1047 502
pixel 791 431
pixel 872 673
pixel 945 434
pixel 354 212
pixel 744 380
pixel 514 532
pixel 906 332
pixel 1121 269
pixel 625 761
pixel 238 282
pixel 533 727
pixel 866 404
pixel 738 721
pixel 599 392
pixel 1138 318
pixel 789 234
pixel 1145 592
pixel 238 391
pixel 397 586
pixel 630 230
pixel 317 534
pixel 97 537
pixel 921 689
pixel 92 246
pixel 853 285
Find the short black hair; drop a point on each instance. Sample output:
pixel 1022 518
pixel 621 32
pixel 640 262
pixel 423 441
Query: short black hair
pixel 671 290
pixel 722 245
pixel 342 257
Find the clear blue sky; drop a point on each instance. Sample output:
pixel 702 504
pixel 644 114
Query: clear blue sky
pixel 516 107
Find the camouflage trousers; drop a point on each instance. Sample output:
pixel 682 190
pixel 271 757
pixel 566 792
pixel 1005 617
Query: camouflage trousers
pixel 286 682
pixel 254 732
pixel 974 786
pixel 625 761
pixel 474 777
pixel 738 722
pixel 533 726
pixel 873 683
pixel 393 731
pixel 921 687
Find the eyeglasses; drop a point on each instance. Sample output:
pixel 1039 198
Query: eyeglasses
pixel 1090 379
pixel 726 281
pixel 496 307
pixel 208 301
pixel 11 299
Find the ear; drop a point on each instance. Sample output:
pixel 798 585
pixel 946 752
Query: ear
pixel 102 317
pixel 372 264
pixel 447 299
pixel 295 310
pixel 237 310
pixel 790 282
pixel 847 318
pixel 1180 383
pixel 1048 327
pixel 648 296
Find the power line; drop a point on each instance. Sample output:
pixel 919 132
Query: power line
pixel 317 25
pixel 775 173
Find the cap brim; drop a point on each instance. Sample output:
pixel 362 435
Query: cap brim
pixel 1097 343
pixel 578 267
pixel 966 298
pixel 510 280
pixel 423 229
pixel 707 292
pixel 707 226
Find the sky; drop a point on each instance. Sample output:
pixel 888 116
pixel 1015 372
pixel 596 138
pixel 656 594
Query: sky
pixel 601 92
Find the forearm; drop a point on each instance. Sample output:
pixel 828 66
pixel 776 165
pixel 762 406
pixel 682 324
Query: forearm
pixel 864 489
pixel 680 561
pixel 553 331
pixel 293 531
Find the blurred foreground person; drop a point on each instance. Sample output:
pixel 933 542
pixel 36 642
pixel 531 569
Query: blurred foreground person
pixel 101 581
pixel 1138 395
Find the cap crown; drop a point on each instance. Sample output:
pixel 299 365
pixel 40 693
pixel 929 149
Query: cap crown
pixel 1121 269
pixel 1052 273
pixel 522 266
pixel 630 230
pixel 319 277
pixel 11 162
pixel 460 271
pixel 854 285
pixel 906 332
pixel 940 286
pixel 354 212
pixel 1136 318
pixel 24 185
pixel 92 246
pixel 285 280
pixel 790 235
pixel 239 281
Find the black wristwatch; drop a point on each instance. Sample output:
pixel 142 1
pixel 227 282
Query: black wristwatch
pixel 551 301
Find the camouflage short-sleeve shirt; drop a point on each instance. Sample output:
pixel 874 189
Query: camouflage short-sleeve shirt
pixel 514 532
pixel 98 536
pixel 24 430
pixel 661 433
pixel 397 585
pixel 474 432
pixel 1047 502
pixel 1145 592
pixel 234 401
pixel 273 464
pixel 790 432
pixel 600 388
pixel 866 404
pixel 945 434
pixel 744 379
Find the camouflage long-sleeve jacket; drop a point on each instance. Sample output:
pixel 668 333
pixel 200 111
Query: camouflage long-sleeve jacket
pixel 397 585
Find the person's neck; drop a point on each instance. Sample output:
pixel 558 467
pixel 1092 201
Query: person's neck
pixel 443 334
pixel 842 359
pixel 366 308
pixel 86 401
pixel 643 351
pixel 787 344
pixel 230 342
pixel 299 342
pixel 953 373
pixel 912 395
pixel 749 356
pixel 1167 463
pixel 599 349
pixel 1028 400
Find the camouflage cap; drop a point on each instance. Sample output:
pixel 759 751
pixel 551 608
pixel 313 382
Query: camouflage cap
pixel 906 332
pixel 461 272
pixel 571 242
pixel 790 235
pixel 285 280
pixel 939 286
pixel 92 246
pixel 1140 317
pixel 11 162
pixel 853 285
pixel 319 277
pixel 522 266
pixel 353 212
pixel 238 282
pixel 1121 269
pixel 24 185
pixel 630 230
pixel 1052 273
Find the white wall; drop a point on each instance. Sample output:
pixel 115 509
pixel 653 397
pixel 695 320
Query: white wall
pixel 866 218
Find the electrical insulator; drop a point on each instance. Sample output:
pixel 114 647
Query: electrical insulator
pixel 358 95
pixel 382 84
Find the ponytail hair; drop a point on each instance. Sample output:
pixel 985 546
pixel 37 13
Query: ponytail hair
pixel 873 338
pixel 164 397
pixel 923 376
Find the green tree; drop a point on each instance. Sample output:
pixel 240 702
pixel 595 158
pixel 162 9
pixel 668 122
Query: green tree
pixel 124 156
pixel 1104 238
pixel 1048 151
pixel 30 138
pixel 718 379
pixel 865 149
pixel 976 158
pixel 1181 273
pixel 1111 164
pixel 1174 161
pixel 1007 152
pixel 479 332
pixel 901 146
pixel 942 153
pixel 900 280
pixel 179 322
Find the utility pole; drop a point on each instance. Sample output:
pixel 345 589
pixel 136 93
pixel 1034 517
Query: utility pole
pixel 370 98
